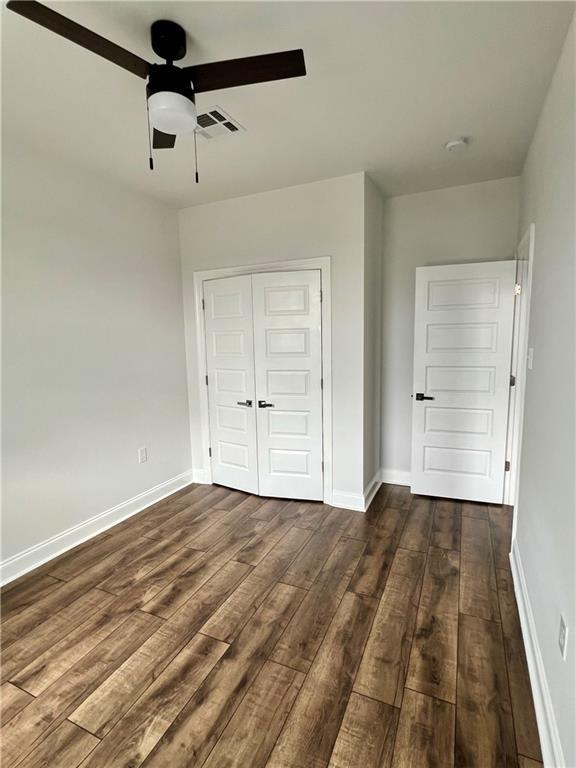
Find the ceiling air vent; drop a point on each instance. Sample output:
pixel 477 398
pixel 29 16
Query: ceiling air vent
pixel 215 123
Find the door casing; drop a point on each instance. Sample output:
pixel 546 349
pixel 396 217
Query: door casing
pixel 321 263
pixel 524 261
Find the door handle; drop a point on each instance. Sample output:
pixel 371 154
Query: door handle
pixel 422 396
pixel 247 403
pixel 264 404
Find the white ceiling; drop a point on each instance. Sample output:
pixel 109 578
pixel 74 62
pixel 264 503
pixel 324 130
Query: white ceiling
pixel 388 84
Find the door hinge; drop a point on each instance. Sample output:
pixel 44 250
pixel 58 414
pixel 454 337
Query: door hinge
pixel 517 289
pixel 321 296
pixel 206 378
pixel 512 380
pixel 322 466
pixel 203 304
pixel 506 466
pixel 210 452
pixel 322 383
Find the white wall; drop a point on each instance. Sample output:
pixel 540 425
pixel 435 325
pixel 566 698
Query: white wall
pixel 472 223
pixel 93 361
pixel 546 511
pixel 373 212
pixel 325 218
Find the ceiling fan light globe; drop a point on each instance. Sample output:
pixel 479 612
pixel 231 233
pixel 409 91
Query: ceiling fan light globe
pixel 172 113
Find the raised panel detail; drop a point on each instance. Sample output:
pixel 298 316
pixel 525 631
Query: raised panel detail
pixel 466 337
pixel 287 342
pixel 463 294
pixel 233 454
pixel 286 300
pixel 471 379
pixel 230 381
pixel 224 305
pixel 470 421
pixel 228 343
pixel 288 424
pixel 229 417
pixel 284 461
pixel 294 383
pixel 459 461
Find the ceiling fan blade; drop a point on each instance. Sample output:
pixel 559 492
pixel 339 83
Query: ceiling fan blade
pixel 78 34
pixel 162 140
pixel 252 69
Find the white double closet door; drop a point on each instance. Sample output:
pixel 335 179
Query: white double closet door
pixel 264 362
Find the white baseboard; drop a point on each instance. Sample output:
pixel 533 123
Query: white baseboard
pixel 395 477
pixel 552 753
pixel 31 558
pixel 372 489
pixel 357 501
pixel 346 500
pixel 201 476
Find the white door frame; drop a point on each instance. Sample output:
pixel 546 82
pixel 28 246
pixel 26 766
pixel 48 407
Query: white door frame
pixel 519 367
pixel 323 264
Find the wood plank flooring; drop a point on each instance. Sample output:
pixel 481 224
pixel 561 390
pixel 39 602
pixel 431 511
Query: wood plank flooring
pixel 224 630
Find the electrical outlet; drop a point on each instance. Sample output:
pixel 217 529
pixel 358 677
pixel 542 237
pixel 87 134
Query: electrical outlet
pixel 563 637
pixel 530 358
pixel 142 455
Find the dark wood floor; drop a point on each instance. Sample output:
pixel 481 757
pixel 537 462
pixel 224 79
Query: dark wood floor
pixel 219 629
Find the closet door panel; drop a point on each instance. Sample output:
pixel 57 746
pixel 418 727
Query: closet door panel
pixel 231 388
pixel 288 362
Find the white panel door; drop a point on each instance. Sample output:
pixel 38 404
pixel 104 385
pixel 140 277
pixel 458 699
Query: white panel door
pixel 462 357
pixel 231 392
pixel 288 354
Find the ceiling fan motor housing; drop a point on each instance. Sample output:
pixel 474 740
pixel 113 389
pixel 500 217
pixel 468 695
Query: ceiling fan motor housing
pixel 166 77
pixel 171 101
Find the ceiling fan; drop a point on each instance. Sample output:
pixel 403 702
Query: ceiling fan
pixel 170 89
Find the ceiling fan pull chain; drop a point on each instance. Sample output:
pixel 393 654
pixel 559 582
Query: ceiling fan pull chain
pixel 150 158
pixel 196 158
